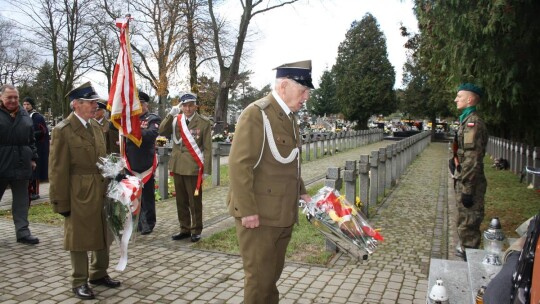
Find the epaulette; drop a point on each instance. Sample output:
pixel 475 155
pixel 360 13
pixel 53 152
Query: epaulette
pixel 262 103
pixel 62 124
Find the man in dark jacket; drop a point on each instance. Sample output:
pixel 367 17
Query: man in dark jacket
pixel 41 133
pixel 18 157
pixel 142 163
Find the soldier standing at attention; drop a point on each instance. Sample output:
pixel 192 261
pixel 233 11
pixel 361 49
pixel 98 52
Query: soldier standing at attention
pixel 191 160
pixel 265 180
pixel 77 192
pixel 471 141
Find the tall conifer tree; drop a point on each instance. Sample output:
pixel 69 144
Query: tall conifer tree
pixel 364 76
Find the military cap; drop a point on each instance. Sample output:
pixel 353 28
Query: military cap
pixel 298 71
pixel 471 88
pixel 144 97
pixel 101 105
pixel 83 92
pixel 188 97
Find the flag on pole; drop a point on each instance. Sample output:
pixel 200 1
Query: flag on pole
pixel 123 100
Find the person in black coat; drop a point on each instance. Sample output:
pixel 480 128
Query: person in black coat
pixel 18 156
pixel 143 162
pixel 41 133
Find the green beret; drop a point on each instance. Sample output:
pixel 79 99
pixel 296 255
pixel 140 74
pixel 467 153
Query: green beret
pixel 471 88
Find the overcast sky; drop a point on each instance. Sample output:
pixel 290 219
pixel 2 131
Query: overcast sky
pixel 308 29
pixel 313 29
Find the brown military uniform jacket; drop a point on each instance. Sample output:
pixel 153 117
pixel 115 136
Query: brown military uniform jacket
pixel 472 139
pixel 181 161
pixel 270 189
pixel 76 185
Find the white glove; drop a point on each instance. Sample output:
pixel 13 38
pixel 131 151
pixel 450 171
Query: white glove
pixel 174 111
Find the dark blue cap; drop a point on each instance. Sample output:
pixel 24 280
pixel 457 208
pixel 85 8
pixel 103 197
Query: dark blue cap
pixel 188 97
pixel 298 71
pixel 102 105
pixel 84 92
pixel 471 88
pixel 144 97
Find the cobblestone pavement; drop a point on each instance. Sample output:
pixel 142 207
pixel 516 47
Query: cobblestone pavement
pixel 413 218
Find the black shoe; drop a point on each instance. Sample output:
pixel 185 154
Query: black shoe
pixel 195 238
pixel 84 292
pixel 29 239
pixel 146 231
pixel 34 196
pixel 180 236
pixel 106 281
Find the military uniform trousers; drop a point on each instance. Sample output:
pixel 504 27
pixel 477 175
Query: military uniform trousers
pixel 147 218
pixel 81 273
pixel 263 254
pixel 188 206
pixel 469 219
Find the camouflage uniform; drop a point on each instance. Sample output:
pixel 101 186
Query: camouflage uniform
pixel 472 139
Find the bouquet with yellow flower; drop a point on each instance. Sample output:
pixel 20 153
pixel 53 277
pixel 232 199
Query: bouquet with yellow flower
pixel 341 222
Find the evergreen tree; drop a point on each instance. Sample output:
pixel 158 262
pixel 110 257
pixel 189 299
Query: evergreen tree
pixel 44 91
pixel 323 99
pixel 364 76
pixel 493 44
pixel 418 98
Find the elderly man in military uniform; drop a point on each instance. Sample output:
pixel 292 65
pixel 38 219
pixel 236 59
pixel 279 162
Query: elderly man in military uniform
pixel 471 140
pixel 191 160
pixel 101 118
pixel 77 191
pixel 265 182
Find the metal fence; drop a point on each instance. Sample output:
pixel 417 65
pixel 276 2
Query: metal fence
pixel 518 155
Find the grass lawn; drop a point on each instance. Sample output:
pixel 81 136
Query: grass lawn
pixel 307 244
pixel 508 199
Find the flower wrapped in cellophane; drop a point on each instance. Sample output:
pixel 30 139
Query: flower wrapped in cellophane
pixel 340 222
pixel 123 205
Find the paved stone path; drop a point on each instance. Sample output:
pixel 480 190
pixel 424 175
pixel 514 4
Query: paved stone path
pixel 414 221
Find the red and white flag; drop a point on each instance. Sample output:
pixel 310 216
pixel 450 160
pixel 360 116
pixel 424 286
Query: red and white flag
pixel 124 101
